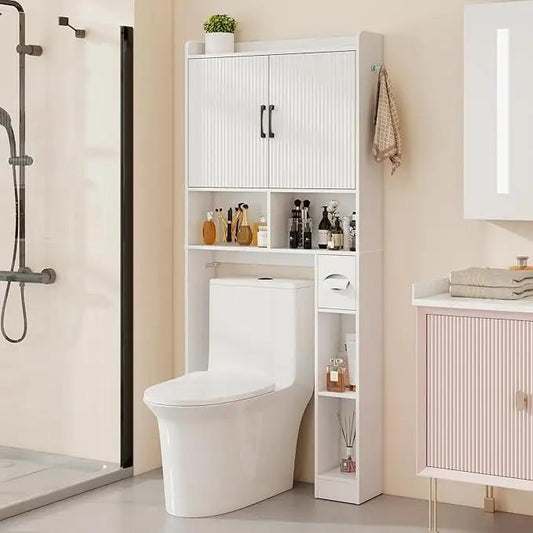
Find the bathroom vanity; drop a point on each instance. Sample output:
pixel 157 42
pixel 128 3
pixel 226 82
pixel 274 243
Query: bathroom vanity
pixel 474 389
pixel 270 123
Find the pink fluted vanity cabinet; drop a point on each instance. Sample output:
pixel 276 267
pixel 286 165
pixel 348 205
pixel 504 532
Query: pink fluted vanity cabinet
pixel 474 391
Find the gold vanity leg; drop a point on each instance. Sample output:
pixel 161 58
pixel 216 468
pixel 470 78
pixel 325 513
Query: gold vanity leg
pixel 490 502
pixel 433 506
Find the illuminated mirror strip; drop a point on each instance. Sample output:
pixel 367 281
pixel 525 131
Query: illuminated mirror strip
pixel 502 111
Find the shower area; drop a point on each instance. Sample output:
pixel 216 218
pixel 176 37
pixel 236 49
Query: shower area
pixel 66 104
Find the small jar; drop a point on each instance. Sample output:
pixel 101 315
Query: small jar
pixel 262 237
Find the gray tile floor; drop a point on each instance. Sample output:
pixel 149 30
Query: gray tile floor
pixel 136 506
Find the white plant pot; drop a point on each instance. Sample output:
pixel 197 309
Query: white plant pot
pixel 219 43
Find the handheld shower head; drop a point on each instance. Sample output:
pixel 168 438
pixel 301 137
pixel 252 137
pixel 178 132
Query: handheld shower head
pixel 5 118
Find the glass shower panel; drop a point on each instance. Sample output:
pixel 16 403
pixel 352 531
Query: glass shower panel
pixel 60 387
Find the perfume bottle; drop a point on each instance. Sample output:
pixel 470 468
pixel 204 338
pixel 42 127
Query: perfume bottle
pixel 209 230
pixel 244 233
pixel 336 378
pixel 262 237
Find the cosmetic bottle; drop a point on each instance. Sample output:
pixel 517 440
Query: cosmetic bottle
pixel 346 233
pixel 353 232
pixel 336 375
pixel 209 230
pixel 308 234
pixel 324 229
pixel 230 224
pixel 262 236
pixel 294 226
pixel 257 225
pixel 337 235
pixel 244 233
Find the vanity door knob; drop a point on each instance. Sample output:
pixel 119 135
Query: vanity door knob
pixel 521 401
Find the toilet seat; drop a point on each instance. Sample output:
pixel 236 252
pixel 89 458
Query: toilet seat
pixel 208 388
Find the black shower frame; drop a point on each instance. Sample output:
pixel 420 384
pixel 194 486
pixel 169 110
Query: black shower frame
pixel 126 252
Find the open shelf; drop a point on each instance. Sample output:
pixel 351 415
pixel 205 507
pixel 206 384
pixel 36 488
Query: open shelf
pixel 232 247
pixel 337 311
pixel 336 475
pixel 348 395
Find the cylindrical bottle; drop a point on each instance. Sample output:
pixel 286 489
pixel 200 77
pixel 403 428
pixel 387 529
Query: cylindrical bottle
pixel 324 229
pixel 262 237
pixel 346 233
pixel 294 228
pixel 209 230
pixel 336 235
pixel 353 232
pixel 308 234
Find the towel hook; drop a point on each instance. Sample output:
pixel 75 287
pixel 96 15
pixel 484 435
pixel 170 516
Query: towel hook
pixel 375 67
pixel 64 21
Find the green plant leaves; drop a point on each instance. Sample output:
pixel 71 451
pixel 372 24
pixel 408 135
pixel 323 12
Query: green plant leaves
pixel 220 24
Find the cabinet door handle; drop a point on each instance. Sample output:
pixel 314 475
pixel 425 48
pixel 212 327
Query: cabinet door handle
pixel 336 282
pixel 270 132
pixel 263 109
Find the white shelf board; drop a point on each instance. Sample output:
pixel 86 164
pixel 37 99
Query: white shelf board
pixel 336 475
pixel 255 249
pixel 348 395
pixel 337 311
pixel 273 191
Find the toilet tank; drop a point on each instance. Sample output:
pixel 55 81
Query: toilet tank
pixel 264 326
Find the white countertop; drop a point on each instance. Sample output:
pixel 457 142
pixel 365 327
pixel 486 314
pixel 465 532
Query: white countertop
pixel 436 294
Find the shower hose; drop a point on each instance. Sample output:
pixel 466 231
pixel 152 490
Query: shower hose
pixel 12 269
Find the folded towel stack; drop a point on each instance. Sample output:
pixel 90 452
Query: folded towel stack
pixel 492 283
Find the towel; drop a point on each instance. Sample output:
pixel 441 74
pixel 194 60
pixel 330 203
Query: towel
pixel 491 277
pixel 493 293
pixel 387 138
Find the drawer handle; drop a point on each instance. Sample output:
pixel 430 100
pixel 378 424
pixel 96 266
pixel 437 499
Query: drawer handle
pixel 336 282
pixel 521 401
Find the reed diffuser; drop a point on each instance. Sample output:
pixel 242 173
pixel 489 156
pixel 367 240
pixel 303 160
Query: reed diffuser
pixel 348 431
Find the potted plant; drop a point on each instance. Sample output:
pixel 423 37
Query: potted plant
pixel 220 34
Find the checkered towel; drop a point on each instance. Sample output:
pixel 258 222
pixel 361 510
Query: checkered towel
pixel 387 137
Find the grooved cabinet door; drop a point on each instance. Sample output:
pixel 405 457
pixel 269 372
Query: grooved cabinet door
pixel 313 121
pixel 479 395
pixel 225 146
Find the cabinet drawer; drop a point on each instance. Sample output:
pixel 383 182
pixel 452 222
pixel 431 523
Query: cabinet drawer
pixel 337 277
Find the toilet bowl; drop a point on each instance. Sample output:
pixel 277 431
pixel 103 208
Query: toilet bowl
pixel 228 434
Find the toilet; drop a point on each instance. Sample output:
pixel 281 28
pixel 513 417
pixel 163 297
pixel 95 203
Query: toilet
pixel 228 434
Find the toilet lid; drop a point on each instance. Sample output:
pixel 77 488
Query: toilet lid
pixel 208 388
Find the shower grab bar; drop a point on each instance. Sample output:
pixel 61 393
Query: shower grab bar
pixel 46 277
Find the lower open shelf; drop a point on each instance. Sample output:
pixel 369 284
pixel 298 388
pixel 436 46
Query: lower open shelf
pixel 336 475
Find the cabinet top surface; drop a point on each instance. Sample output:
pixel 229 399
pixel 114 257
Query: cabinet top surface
pixel 435 294
pixel 195 49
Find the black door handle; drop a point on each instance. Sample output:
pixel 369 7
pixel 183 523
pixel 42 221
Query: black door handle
pixel 263 109
pixel 270 132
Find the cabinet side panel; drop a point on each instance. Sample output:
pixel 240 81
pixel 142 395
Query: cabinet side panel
pixel 369 173
pixel 370 404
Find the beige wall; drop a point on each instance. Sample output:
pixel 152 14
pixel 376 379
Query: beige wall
pixel 154 244
pixel 426 235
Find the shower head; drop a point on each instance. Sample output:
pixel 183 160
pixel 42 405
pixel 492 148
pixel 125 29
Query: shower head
pixel 5 119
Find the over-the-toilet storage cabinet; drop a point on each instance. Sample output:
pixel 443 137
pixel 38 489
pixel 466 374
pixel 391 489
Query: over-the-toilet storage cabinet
pixel 270 123
pixel 475 389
